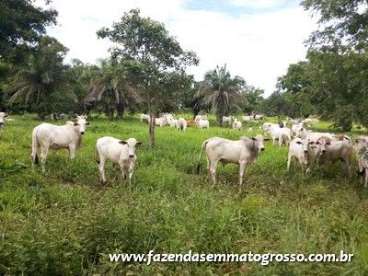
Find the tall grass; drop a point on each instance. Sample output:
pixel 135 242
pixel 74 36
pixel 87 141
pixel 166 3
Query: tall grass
pixel 66 222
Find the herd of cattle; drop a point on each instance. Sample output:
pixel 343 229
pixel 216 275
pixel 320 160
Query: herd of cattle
pixel 308 148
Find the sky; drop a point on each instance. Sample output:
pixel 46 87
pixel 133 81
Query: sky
pixel 256 39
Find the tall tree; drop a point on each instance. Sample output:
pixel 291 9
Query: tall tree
pixel 343 23
pixel 151 53
pixel 22 24
pixel 221 91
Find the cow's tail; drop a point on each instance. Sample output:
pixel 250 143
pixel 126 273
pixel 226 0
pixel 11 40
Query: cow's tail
pixel 34 147
pixel 204 144
pixel 97 156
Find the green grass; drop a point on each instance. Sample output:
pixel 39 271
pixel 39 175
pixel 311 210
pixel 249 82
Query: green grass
pixel 65 222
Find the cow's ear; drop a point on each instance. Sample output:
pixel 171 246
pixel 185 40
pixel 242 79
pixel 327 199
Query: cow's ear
pixel 123 142
pixel 298 142
pixel 6 115
pixel 87 123
pixel 254 138
pixel 139 143
pixel 76 124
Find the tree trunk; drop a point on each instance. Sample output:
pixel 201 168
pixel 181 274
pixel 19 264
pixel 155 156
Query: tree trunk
pixel 120 110
pixel 152 130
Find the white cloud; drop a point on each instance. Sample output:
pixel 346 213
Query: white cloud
pixel 258 3
pixel 258 47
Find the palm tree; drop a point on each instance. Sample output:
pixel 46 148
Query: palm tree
pixel 38 84
pixel 221 92
pixel 111 88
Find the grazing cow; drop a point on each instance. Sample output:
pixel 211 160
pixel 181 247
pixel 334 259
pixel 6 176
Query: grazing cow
pixel 203 123
pixel 48 136
pixel 3 117
pixel 144 117
pixel 283 134
pixel 118 151
pixel 237 124
pixel 334 150
pixel 181 124
pixel 258 117
pixel 361 153
pixel 298 149
pixel 227 120
pixel 242 152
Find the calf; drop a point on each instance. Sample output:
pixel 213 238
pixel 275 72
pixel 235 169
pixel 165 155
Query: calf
pixel 181 124
pixel 298 149
pixel 118 151
pixel 48 136
pixel 242 152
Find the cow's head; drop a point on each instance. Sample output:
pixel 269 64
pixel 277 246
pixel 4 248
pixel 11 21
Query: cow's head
pixel 131 143
pixel 324 143
pixel 315 146
pixel 259 142
pixel 81 122
pixel 304 145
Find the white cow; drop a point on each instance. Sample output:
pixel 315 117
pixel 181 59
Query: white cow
pixel 3 117
pixel 247 118
pixel 283 134
pixel 258 117
pixel 162 121
pixel 298 149
pixel 144 117
pixel 181 124
pixel 48 136
pixel 334 150
pixel 237 124
pixel 172 122
pixel 296 129
pixel 361 153
pixel 201 123
pixel 200 117
pixel 227 120
pixel 118 151
pixel 242 152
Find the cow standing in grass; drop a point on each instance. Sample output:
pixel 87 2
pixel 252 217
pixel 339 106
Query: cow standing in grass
pixel 242 152
pixel 118 151
pixel 48 136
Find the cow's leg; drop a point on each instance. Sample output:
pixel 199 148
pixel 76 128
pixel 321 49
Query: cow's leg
pixel 288 162
pixel 365 177
pixel 131 171
pixel 43 157
pixel 72 149
pixel 242 165
pixel 273 140
pixel 213 166
pixel 347 167
pixel 101 169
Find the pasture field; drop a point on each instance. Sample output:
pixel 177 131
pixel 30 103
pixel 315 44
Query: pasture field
pixel 66 223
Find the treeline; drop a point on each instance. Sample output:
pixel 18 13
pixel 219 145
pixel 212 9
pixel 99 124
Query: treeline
pixel 333 80
pixel 146 71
